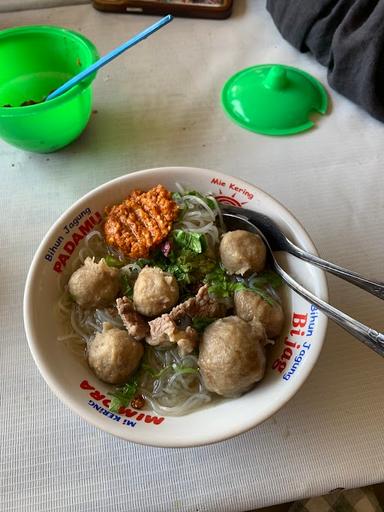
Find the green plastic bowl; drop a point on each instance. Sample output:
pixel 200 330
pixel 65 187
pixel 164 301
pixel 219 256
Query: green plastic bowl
pixel 35 60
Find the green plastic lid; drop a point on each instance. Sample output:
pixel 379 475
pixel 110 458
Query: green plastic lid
pixel 273 99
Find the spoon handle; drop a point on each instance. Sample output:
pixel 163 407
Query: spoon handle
pixel 110 56
pixel 374 287
pixel 281 242
pixel 370 337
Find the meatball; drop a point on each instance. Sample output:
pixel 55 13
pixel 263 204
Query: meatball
pixel 94 284
pixel 231 356
pixel 249 305
pixel 113 355
pixel 164 330
pixel 135 324
pixel 155 292
pixel 241 251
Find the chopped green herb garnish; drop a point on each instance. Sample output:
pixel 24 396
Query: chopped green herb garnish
pixel 187 261
pixel 189 267
pixel 207 200
pixel 112 261
pixel 184 369
pixel 267 278
pixel 263 293
pixel 176 368
pixel 142 262
pixel 155 374
pixel 126 285
pixel 194 242
pixel 181 270
pixel 223 285
pixel 158 260
pixel 200 323
pixel 123 395
pixel 220 283
pixel 176 196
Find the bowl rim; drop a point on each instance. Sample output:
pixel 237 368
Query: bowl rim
pixel 73 91
pixel 201 440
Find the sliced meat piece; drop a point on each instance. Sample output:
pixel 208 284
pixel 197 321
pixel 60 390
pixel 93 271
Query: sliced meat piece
pixel 167 328
pixel 135 324
pixel 187 341
pixel 161 329
pixel 164 330
pixel 203 305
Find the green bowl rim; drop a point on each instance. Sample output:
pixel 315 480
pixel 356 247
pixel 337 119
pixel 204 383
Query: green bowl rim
pixel 66 96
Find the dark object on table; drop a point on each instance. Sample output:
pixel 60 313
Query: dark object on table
pixel 25 103
pixel 30 102
pixel 346 36
pixel 218 9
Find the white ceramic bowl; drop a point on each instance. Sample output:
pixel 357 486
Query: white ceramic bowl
pixel 289 362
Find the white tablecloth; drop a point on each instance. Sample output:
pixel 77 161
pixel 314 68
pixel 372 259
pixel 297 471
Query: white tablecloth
pixel 159 105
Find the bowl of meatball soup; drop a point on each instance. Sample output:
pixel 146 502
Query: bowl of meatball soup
pixel 155 323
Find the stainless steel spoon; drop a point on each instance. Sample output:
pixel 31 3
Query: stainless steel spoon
pixel 373 339
pixel 279 242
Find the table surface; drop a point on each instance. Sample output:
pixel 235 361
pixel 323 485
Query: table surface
pixel 158 106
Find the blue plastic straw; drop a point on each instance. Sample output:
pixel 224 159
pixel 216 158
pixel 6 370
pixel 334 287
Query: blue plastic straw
pixel 110 56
